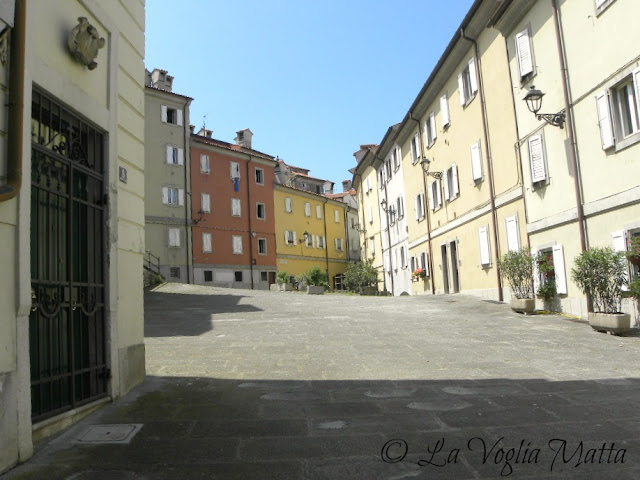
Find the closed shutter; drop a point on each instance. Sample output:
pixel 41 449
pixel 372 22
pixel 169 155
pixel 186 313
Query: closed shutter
pixel 461 89
pixel 476 161
pixel 318 211
pixel 179 117
pixel 473 78
pixel 368 185
pixel 204 163
pixel 336 216
pixel 163 113
pixel 424 260
pixel 336 244
pixel 418 146
pixel 169 154
pixel 418 210
pixel 619 244
pixel 181 196
pixel 439 193
pixel 431 202
pixel 235 170
pixel 446 181
pixel 513 238
pixel 412 263
pixel 370 214
pixel 174 237
pixel 287 204
pixel 307 209
pixel 604 120
pixel 372 246
pixel 455 188
pixel 444 110
pixel 206 203
pixel 558 266
pixel 286 237
pixel 536 157
pixel 237 245
pixel 523 49
pixel 206 242
pixel 483 235
pixel 165 195
pixel 432 126
pixel 536 272
pixel 636 86
pixel 180 156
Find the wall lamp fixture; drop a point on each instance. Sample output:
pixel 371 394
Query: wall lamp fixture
pixel 425 162
pixel 200 217
pixel 533 98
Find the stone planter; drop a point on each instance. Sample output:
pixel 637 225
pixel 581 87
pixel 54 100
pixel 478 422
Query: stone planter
pixel 315 290
pixel 281 287
pixel 523 305
pixel 614 323
pixel 369 291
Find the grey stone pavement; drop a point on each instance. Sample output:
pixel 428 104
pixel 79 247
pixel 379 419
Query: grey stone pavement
pixel 261 385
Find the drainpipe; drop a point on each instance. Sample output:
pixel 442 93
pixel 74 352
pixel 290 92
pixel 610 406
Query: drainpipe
pixel 250 230
pixel 361 226
pixel 326 245
pixel 485 130
pixel 187 186
pixel 424 180
pixel 16 104
pixel 386 211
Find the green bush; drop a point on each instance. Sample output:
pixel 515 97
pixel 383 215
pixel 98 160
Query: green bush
pixel 547 289
pixel 601 273
pixel 316 277
pixel 517 269
pixel 283 277
pixel 360 275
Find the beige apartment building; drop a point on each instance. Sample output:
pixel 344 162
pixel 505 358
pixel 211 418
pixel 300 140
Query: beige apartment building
pixel 167 179
pixel 581 180
pixel 71 214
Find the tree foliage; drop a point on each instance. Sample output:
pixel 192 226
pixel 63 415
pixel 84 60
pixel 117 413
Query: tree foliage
pixel 517 269
pixel 316 277
pixel 601 273
pixel 360 275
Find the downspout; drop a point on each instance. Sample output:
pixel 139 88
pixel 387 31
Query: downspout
pixel 189 204
pixel 250 214
pixel 361 226
pixel 326 245
pixel 485 130
pixel 386 211
pixel 424 180
pixel 570 126
pixel 16 104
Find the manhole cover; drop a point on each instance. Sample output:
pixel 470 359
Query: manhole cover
pixel 109 433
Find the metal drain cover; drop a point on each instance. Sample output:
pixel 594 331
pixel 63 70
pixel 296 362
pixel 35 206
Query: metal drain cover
pixel 109 433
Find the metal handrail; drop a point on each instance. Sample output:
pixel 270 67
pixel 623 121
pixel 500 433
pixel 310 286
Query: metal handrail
pixel 149 264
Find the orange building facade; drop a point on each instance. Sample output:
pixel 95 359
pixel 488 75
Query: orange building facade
pixel 233 224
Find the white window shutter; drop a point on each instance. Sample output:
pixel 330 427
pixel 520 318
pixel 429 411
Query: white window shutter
pixel 454 181
pixel 286 237
pixel 165 195
pixel 163 113
pixel 636 86
pixel 604 119
pixel 180 156
pixel 431 202
pixel 287 204
pixel 536 272
pixel 619 244
pixel 536 157
pixel 558 266
pixel 444 110
pixel 179 117
pixel 368 185
pixel 473 75
pixel 513 237
pixel 432 125
pixel 445 180
pixel 295 238
pixel 461 89
pixel 417 206
pixel 335 244
pixel 439 193
pixel 476 161
pixel 307 209
pixel 181 196
pixel 206 242
pixel 336 216
pixel 483 235
pixel 318 211
pixel 169 154
pixel 425 261
pixel 370 214
pixel 523 50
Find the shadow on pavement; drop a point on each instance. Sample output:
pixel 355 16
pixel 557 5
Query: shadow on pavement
pixel 209 428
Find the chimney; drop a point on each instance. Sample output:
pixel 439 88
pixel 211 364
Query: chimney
pixel 243 138
pixel 205 133
pixel 346 185
pixel 161 80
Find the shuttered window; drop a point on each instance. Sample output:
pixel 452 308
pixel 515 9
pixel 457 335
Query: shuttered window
pixel 236 207
pixel 206 203
pixel 370 214
pixel 237 244
pixel 318 211
pixel 307 209
pixel 536 159
pixel 524 53
pixel 476 162
pixel 336 216
pixel 558 266
pixel 513 234
pixel 175 155
pixel 619 244
pixel 415 148
pixel 206 243
pixel 444 110
pixel 485 254
pixel 288 206
pixel 468 82
pixel 174 237
pixel 205 166
pixel 430 130
pixel 234 168
pixel 604 120
pixel 420 206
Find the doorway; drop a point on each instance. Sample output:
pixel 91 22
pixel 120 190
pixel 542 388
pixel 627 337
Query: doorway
pixel 445 269
pixel 453 249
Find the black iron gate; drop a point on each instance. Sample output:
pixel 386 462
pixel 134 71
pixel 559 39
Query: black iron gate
pixel 67 324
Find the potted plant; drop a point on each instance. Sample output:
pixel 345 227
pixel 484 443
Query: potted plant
pixel 547 289
pixel 418 274
pixel 601 274
pixel 283 283
pixel 516 267
pixel 361 277
pixel 316 280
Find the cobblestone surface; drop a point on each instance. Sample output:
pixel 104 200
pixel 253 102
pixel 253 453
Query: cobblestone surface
pixel 252 384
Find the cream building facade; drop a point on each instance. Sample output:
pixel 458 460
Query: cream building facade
pixel 71 216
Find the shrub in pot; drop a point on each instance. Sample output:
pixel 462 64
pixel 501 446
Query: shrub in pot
pixel 601 275
pixel 361 277
pixel 284 285
pixel 316 280
pixel 516 267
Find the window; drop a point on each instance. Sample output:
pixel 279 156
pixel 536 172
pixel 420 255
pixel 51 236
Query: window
pixel 339 244
pixel 205 203
pixel 468 82
pixel 236 244
pixel 367 184
pixel 318 211
pixel 174 272
pixel 536 159
pixel 353 222
pixel 370 214
pixel 601 5
pixel 234 168
pixel 476 162
pixel 381 178
pixel 435 195
pixel 419 206
pixel 261 211
pixel 175 155
pixel 513 233
pixel 388 170
pixel 264 277
pixel 320 241
pixel 430 129
pixel 309 241
pixel 412 263
pixel 395 159
pixel 415 148
pixel 451 188
pixel 400 207
pixel 238 275
pixel 444 111
pixel 171 115
pixel 262 246
pixel 555 271
pixel 205 166
pixel 524 54
pixel 336 216
pixel 485 253
pixel 174 237
pixel 372 246
pixel 424 262
pixel 619 112
pixel 259 176
pixel 208 275
pixel 172 196
pixel 206 243
pixel 236 207
pixel 289 237
pixel 288 205
pixel 403 257
pixel 307 209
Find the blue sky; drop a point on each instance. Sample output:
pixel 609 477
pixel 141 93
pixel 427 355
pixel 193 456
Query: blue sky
pixel 312 80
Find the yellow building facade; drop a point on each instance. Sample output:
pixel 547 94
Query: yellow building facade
pixel 310 232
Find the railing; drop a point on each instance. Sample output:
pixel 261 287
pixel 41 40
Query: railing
pixel 150 264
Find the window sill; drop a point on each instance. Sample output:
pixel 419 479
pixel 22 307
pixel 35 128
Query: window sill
pixel 626 142
pixel 205 173
pixel 469 100
pixel 603 7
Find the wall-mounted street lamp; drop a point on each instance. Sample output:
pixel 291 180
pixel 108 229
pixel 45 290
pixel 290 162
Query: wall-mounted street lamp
pixel 425 162
pixel 533 98
pixel 200 217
